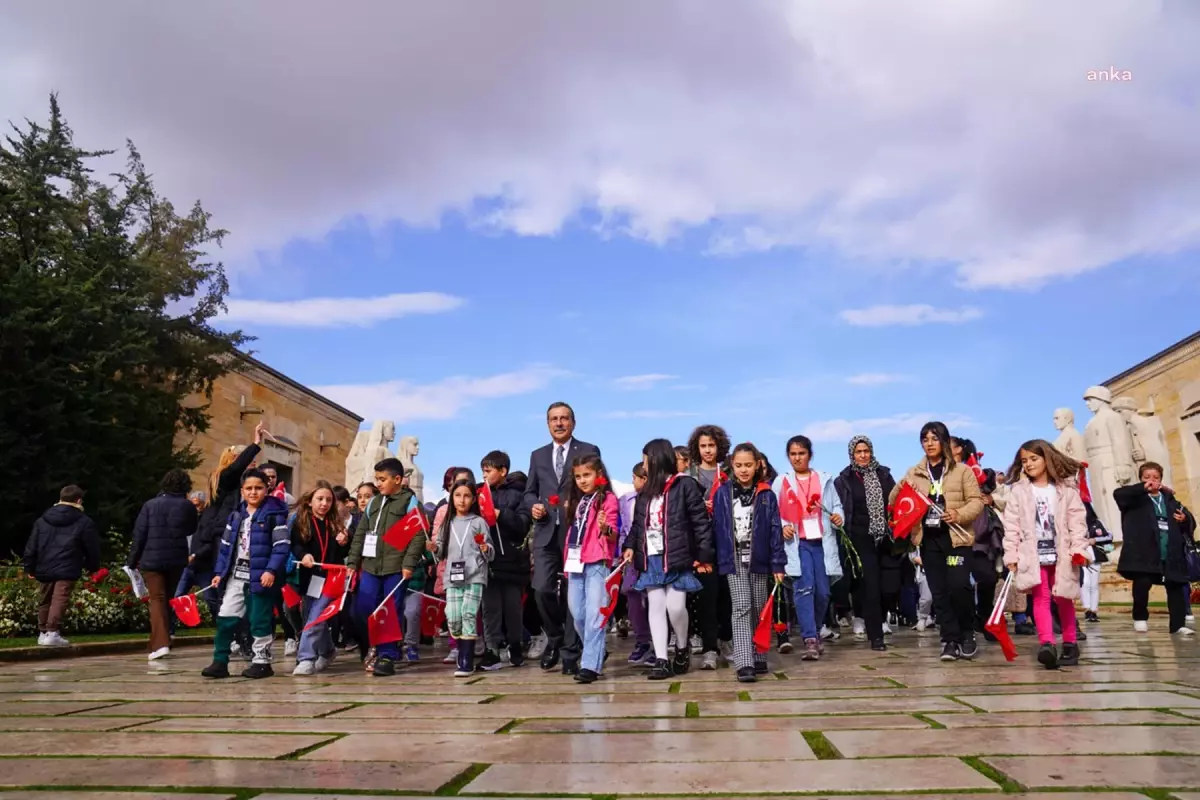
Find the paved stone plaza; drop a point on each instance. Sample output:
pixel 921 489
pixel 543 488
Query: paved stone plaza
pixel 1126 721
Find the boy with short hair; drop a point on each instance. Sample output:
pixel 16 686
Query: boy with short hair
pixel 63 543
pixel 380 566
pixel 509 571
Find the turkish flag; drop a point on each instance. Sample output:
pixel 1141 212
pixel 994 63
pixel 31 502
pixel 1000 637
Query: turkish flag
pixel 487 507
pixel 766 621
pixel 996 624
pixel 973 463
pixel 909 509
pixel 335 583
pixel 612 587
pixel 791 510
pixel 433 614
pixel 186 609
pixel 291 598
pixel 384 625
pixel 401 534
pixel 329 612
pixel 1085 494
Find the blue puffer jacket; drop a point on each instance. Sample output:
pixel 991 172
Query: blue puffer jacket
pixel 767 555
pixel 270 543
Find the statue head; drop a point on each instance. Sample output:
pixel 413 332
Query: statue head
pixel 388 429
pixel 1063 418
pixel 409 448
pixel 1125 406
pixel 1097 397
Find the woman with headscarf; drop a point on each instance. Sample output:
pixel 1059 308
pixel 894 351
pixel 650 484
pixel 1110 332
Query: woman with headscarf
pixel 863 488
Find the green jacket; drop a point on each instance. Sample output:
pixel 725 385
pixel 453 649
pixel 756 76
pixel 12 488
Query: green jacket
pixel 381 514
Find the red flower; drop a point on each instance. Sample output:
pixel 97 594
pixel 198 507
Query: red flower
pixel 814 502
pixel 128 604
pixel 552 500
pixel 479 538
pixel 602 481
pixel 146 599
pixel 92 589
pixel 115 590
pixel 99 574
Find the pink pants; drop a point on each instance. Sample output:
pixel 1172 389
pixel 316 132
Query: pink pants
pixel 1041 595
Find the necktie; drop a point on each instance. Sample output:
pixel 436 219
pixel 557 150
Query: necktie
pixel 559 457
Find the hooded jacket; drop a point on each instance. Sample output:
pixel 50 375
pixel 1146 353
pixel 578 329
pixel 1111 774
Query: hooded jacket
pixel 767 555
pixel 64 541
pixel 270 543
pixel 1070 538
pixel 687 529
pixel 511 562
pixel 160 534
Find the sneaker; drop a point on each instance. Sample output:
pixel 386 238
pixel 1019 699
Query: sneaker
pixel 258 671
pixel 515 657
pixel 384 668
pixel 322 663
pixel 570 667
pixel 785 646
pixel 1189 620
pixel 1080 635
pixel 887 629
pixel 726 651
pixel 1024 629
pixel 42 638
pixel 812 650
pixel 1070 655
pixel 412 655
pixel 623 628
pixel 490 662
pixel 843 622
pixel 586 676
pixel 466 662
pixel 1090 616
pixel 828 634
pixel 697 645
pixel 860 629
pixel 968 649
pixel 879 646
pixel 708 661
pixel 660 671
pixel 1185 632
pixel 217 669
pixel 1141 625
pixel 746 675
pixel 451 657
pixel 1048 656
pixel 760 668
pixel 640 651
pixel 159 653
pixel 682 662
pixel 920 626
pixel 305 668
pixel 290 647
pixel 949 652
pixel 55 639
pixel 537 647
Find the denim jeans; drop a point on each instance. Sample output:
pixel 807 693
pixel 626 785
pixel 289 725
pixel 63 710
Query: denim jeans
pixel 412 618
pixel 371 591
pixel 811 589
pixel 585 596
pixel 317 640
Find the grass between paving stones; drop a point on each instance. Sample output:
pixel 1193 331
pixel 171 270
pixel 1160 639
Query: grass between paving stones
pixel 303 751
pixel 821 746
pixel 456 784
pixel 743 695
pixel 692 710
pixel 896 683
pixel 781 676
pixel 489 699
pixel 675 687
pixel 954 699
pixel 347 707
pixel 508 726
pixel 1007 784
pixel 930 721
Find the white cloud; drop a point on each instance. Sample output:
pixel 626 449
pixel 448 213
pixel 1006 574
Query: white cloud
pixel 840 430
pixel 407 402
pixel 875 379
pixel 639 382
pixel 962 134
pixel 339 312
pixel 648 414
pixel 883 315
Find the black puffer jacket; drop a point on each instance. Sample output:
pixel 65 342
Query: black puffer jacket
pixel 688 533
pixel 1140 553
pixel 212 522
pixel 511 563
pixel 64 541
pixel 160 534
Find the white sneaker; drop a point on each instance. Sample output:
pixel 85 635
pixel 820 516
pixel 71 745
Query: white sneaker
pixel 1189 620
pixel 42 639
pixel 828 634
pixel 322 663
pixel 55 639
pixel 860 629
pixel 887 629
pixel 537 648
pixel 726 650
pixel 159 653
pixel 1185 632
pixel 452 657
pixel 1141 625
pixel 920 626
pixel 305 668
pixel 235 649
pixel 697 645
pixel 290 647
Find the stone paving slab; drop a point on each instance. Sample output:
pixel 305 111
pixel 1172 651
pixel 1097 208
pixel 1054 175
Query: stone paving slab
pixel 846 706
pixel 1080 701
pixel 847 722
pixel 245 773
pixel 1080 740
pixel 1049 772
pixel 391 724
pixel 76 723
pixel 1004 719
pixel 629 748
pixel 908 774
pixel 536 710
pixel 50 795
pixel 216 707
pixel 204 745
pixel 973 796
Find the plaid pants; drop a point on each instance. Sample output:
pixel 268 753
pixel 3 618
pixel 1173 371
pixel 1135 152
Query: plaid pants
pixel 462 609
pixel 749 593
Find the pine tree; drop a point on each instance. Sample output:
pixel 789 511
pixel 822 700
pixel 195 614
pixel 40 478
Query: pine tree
pixel 106 299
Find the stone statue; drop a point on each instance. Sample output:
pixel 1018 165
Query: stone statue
pixel 1109 456
pixel 361 468
pixel 407 451
pixel 1127 408
pixel 1070 440
pixel 354 461
pixel 1153 439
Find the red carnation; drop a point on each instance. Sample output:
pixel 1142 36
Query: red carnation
pixel 813 502
pixel 602 481
pixel 99 574
pixel 780 627
pixel 479 538
pixel 552 500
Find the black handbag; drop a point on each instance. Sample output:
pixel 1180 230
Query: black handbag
pixel 1193 562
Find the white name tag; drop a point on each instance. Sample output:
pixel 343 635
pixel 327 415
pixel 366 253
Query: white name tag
pixel 370 545
pixel 315 585
pixel 574 562
pixel 457 572
pixel 934 518
pixel 746 557
pixel 241 570
pixel 812 528
pixel 1162 525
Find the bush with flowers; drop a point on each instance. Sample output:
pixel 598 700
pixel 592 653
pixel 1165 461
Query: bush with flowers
pixel 101 603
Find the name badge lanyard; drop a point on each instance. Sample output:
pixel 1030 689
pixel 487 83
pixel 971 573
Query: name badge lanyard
pixel 1160 511
pixel 457 572
pixel 316 581
pixel 371 542
pixel 936 510
pixel 809 525
pixel 580 524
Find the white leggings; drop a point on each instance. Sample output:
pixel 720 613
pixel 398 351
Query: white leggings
pixel 1091 588
pixel 667 602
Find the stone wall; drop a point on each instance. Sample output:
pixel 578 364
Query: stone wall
pixel 290 411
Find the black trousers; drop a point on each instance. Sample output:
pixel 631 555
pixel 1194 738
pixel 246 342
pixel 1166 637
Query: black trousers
pixel 983 569
pixel 711 613
pixel 948 569
pixel 877 589
pixel 1177 597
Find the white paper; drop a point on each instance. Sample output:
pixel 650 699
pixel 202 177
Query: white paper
pixel 574 562
pixel 370 545
pixel 812 528
pixel 315 584
pixel 135 580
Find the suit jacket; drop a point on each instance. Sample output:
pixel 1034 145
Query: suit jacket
pixel 542 483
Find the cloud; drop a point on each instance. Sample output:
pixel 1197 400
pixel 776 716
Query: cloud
pixel 840 430
pixel 407 402
pixel 880 316
pixel 339 312
pixel 631 383
pixel 875 379
pixel 648 414
pixel 827 126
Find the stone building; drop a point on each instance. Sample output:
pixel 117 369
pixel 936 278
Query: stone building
pixel 1168 384
pixel 312 434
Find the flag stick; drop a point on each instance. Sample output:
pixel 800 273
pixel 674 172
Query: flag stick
pixel 389 596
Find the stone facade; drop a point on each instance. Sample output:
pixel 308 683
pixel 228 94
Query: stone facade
pixel 314 434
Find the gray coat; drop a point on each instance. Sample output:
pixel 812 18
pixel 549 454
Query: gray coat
pixel 451 550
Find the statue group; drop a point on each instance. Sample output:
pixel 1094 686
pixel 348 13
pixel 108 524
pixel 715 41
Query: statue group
pixel 371 446
pixel 1117 440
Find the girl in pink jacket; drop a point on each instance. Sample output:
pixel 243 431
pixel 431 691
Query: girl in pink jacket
pixel 1045 542
pixel 593 517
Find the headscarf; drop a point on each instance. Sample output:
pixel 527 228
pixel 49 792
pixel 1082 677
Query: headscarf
pixel 876 506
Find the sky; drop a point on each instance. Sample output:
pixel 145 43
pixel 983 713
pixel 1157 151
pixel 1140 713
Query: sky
pixel 779 217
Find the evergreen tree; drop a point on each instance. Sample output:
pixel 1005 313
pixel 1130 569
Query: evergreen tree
pixel 106 295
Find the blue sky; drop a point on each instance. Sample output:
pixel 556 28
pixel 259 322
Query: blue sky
pixel 799 215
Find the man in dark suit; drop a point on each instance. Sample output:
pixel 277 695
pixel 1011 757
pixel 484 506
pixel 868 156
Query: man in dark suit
pixel 549 475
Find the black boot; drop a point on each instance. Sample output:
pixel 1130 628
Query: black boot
pixel 466 660
pixel 1048 656
pixel 217 669
pixel 1070 655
